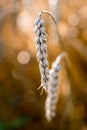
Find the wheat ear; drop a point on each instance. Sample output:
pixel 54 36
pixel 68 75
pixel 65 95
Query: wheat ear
pixel 53 87
pixel 41 48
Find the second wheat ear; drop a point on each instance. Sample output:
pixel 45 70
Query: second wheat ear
pixel 41 47
pixel 53 88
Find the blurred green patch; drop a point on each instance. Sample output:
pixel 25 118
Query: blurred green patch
pixel 16 123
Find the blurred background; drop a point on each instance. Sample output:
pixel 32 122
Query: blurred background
pixel 21 106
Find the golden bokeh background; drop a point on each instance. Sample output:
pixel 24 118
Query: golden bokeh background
pixel 21 106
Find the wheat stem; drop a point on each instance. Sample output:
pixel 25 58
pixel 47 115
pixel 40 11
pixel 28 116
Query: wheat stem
pixel 57 29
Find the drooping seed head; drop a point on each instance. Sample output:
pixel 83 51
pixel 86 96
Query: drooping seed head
pixel 41 47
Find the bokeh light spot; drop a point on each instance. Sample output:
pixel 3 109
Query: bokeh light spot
pixel 63 29
pixel 53 2
pixel 23 57
pixel 83 11
pixel 16 74
pixel 73 20
pixel 24 21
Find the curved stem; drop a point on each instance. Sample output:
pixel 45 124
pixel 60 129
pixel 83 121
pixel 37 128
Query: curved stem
pixel 58 34
pixel 47 12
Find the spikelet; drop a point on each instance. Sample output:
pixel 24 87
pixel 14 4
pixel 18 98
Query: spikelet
pixel 52 97
pixel 41 48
